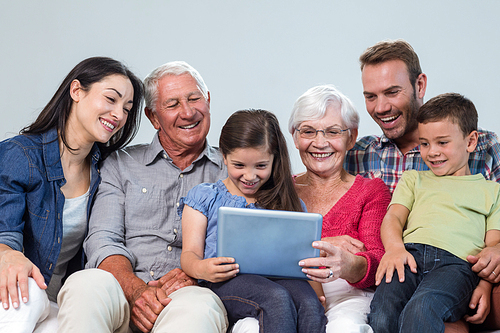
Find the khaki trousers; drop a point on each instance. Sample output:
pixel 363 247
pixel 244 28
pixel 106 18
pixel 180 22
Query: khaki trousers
pixel 92 301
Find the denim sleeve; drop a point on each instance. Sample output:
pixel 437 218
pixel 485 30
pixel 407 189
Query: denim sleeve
pixel 15 177
pixel 106 235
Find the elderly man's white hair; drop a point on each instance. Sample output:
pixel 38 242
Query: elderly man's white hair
pixel 170 68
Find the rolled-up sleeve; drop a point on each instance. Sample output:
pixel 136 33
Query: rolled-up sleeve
pixel 106 235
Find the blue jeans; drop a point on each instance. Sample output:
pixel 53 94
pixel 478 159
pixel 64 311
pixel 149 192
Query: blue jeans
pixel 280 306
pixel 439 291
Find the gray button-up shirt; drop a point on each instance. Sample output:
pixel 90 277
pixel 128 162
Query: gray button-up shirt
pixel 135 210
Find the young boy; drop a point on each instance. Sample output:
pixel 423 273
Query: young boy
pixel 435 220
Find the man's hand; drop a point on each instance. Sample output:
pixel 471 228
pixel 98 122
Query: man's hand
pixel 146 304
pixel 172 281
pixel 480 301
pixel 150 300
pixel 487 263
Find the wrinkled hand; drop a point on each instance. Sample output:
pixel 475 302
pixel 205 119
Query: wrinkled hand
pixel 15 269
pixel 394 260
pixel 173 280
pixel 486 262
pixel 337 260
pixel 345 242
pixel 218 269
pixel 146 304
pixel 480 300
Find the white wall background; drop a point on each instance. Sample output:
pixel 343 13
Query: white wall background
pixel 258 54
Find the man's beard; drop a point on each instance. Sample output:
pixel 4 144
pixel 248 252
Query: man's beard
pixel 411 121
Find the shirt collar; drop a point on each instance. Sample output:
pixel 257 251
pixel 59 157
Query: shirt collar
pixel 156 150
pixel 482 140
pixel 384 141
pixel 52 156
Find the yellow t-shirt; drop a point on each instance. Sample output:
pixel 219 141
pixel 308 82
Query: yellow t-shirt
pixel 452 213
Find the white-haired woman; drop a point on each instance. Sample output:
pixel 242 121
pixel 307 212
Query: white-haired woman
pixel 324 125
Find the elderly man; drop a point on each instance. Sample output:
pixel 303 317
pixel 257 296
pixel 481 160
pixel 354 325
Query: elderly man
pixel 394 88
pixel 134 230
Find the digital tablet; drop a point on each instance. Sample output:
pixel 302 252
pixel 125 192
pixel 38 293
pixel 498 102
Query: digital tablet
pixel 268 242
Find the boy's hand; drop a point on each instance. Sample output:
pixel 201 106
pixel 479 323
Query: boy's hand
pixel 218 269
pixel 480 300
pixel 394 260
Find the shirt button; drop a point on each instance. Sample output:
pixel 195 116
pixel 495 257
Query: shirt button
pixel 177 204
pixel 144 190
pixel 152 273
pixel 175 231
pixel 181 175
pixel 169 248
pixel 164 155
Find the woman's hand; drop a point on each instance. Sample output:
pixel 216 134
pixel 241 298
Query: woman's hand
pixel 346 243
pixel 217 269
pixel 337 263
pixel 15 269
pixel 395 260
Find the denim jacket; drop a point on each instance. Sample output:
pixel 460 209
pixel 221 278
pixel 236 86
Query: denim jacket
pixel 31 200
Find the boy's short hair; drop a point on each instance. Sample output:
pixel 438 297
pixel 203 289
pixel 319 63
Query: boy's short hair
pixel 457 108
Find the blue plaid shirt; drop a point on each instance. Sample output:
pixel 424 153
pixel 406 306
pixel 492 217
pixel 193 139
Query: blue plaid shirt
pixel 379 157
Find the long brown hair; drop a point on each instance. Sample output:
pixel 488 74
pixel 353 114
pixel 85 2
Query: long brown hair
pixel 91 70
pixel 260 128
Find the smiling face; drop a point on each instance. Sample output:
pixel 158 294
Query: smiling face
pixel 182 114
pixel 100 111
pixel 248 169
pixel 323 156
pixel 391 99
pixel 445 149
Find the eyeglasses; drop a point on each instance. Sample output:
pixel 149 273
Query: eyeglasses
pixel 329 133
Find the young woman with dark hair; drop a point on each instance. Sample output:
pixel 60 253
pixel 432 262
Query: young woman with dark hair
pixel 48 177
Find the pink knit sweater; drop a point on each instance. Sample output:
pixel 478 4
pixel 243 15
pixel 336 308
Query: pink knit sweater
pixel 359 214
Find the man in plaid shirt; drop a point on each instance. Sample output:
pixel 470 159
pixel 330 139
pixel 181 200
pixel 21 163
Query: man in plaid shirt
pixel 394 88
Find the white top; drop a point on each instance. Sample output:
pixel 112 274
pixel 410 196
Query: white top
pixel 74 227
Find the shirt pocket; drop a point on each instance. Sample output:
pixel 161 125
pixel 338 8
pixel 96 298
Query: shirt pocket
pixel 145 207
pixel 36 224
